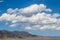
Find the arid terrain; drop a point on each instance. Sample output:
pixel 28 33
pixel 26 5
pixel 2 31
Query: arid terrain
pixel 21 35
pixel 34 38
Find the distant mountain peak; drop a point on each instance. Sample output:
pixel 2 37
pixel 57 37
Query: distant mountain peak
pixel 18 34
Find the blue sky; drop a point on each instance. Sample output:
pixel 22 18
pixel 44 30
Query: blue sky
pixel 53 7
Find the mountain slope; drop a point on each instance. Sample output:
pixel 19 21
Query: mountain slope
pixel 13 34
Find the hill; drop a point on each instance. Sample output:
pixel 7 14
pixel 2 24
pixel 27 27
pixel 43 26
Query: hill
pixel 15 34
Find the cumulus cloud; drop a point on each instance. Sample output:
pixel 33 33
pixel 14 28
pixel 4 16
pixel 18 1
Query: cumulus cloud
pixel 7 17
pixel 30 10
pixel 33 8
pixel 32 17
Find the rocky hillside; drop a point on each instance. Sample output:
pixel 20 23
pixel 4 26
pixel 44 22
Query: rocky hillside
pixel 13 34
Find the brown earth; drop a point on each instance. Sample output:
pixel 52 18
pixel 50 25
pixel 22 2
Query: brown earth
pixel 34 38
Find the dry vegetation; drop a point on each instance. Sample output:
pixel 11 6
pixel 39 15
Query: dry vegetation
pixel 30 38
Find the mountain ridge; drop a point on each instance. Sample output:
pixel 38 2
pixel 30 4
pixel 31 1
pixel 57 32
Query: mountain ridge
pixel 13 34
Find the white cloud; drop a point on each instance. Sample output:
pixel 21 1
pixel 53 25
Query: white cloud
pixel 7 17
pixel 13 25
pixel 32 17
pixel 56 15
pixel 58 28
pixel 48 10
pixel 28 28
pixel 30 10
pixel 33 8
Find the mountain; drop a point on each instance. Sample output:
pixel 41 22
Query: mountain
pixel 13 34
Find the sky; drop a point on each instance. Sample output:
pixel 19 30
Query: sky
pixel 40 17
